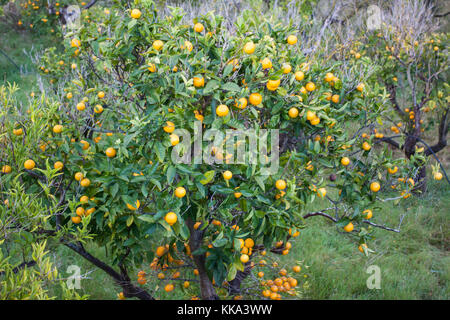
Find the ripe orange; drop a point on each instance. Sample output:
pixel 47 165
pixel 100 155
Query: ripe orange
pixel 84 199
pixel 241 103
pixel 244 258
pixel 366 146
pixel 78 176
pixel 335 98
pixel 260 274
pixel 180 192
pixel 249 243
pixel 286 68
pixel 222 110
pixel 375 186
pixel 160 251
pixel 80 211
pixel 136 13
pixel 310 115
pixel 75 43
pixel 57 128
pixel 169 287
pixel 69 95
pixel 322 192
pixel 438 176
pixel 227 175
pixel 293 112
pixel 280 184
pixel 170 127
pixel 174 139
pixel 272 85
pixel 76 219
pixel 134 206
pixel 198 27
pixel 367 214
pixel 345 161
pixel 296 269
pixel 349 227
pixel 292 39
pixel 299 76
pixel 6 169
pixel 110 152
pixel 186 284
pixel 85 182
pixel 98 108
pixel 197 225
pixel 329 77
pixel 18 132
pixel 393 170
pixel 158 45
pixel 199 82
pixel 360 248
pixel 81 106
pixel 85 144
pixel 310 86
pixel 29 164
pixel 58 165
pixel 171 218
pixel 315 121
pixel 266 63
pixel 249 47
pixel 101 95
pixel 360 87
pixel 255 99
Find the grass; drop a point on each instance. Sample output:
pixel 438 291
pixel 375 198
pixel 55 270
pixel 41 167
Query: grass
pixel 15 65
pixel 414 264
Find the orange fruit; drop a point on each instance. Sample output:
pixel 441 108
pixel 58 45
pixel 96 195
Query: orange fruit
pixel 266 63
pixel 222 110
pixel 160 251
pixel 345 161
pixel 198 27
pixel 180 192
pixel 249 243
pixel 293 112
pixel 438 176
pixel 170 127
pixel 393 170
pixel 366 146
pixel 280 184
pixel 349 227
pixel 78 176
pixel 296 269
pixel 360 87
pixel 367 214
pixel 76 219
pixel 136 13
pixel 335 98
pixel 199 82
pixel 255 99
pixel 157 45
pixel 101 95
pixel 75 43
pixel 81 106
pixel 310 86
pixel 85 182
pixel 360 248
pixel 249 47
pixel 29 164
pixel 227 175
pixel 286 68
pixel 244 258
pixel 18 132
pixel 174 139
pixel 169 287
pixel 374 186
pixel 58 165
pixel 299 76
pixel 57 128
pixel 171 218
pixel 79 211
pixel 134 206
pixel 292 39
pixel 6 169
pixel 110 152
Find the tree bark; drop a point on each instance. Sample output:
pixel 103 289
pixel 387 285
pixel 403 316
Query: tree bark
pixel 195 241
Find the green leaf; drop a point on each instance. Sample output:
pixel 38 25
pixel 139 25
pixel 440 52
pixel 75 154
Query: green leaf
pixel 209 175
pixel 231 86
pixel 232 273
pixel 171 172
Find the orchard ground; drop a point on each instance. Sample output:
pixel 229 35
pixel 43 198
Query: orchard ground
pixel 414 263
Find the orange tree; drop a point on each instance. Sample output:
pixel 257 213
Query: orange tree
pixel 100 150
pixel 414 68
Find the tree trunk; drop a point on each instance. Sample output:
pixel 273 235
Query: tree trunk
pixel 195 241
